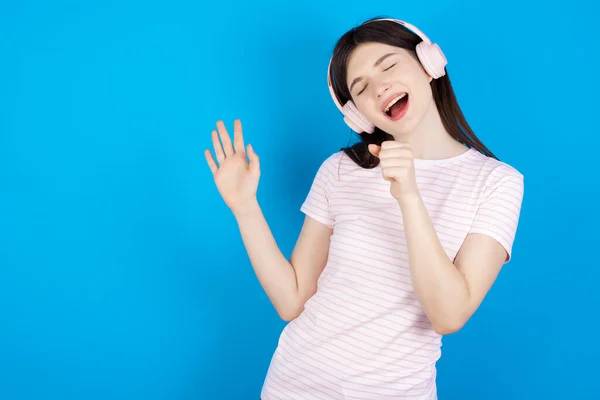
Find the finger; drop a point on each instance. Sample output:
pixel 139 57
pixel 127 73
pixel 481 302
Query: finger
pixel 218 148
pixel 393 144
pixel 393 173
pixel 396 153
pixel 254 160
pixel 388 144
pixel 225 138
pixel 374 149
pixel 395 162
pixel 211 162
pixel 238 138
pixel 386 175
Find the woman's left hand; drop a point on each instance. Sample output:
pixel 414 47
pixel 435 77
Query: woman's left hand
pixel 397 166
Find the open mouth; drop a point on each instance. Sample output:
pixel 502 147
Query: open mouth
pixel 397 107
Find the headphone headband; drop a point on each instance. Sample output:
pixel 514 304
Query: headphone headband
pixel 411 27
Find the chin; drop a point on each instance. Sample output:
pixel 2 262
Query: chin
pixel 400 128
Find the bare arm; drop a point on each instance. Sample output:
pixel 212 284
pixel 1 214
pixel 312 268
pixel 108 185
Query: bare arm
pixel 288 284
pixel 449 292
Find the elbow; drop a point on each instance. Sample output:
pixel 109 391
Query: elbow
pixel 450 319
pixel 448 326
pixel 447 329
pixel 287 316
pixel 289 313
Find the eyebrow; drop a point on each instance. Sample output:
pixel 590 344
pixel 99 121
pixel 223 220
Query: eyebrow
pixel 379 61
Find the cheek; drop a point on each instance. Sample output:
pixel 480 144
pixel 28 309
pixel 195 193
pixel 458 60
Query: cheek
pixel 425 95
pixel 423 84
pixel 368 108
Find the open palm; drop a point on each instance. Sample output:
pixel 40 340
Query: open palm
pixel 235 177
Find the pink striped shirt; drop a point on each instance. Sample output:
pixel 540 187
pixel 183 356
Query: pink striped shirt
pixel 364 335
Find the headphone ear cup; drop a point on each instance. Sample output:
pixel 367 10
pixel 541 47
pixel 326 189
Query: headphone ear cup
pixel 355 120
pixel 432 58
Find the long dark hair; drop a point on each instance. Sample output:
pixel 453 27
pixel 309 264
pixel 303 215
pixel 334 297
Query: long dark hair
pixel 394 34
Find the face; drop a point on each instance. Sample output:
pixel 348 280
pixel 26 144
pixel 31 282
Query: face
pixel 389 86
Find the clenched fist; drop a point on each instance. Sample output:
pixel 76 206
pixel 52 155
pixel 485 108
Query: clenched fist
pixel 397 166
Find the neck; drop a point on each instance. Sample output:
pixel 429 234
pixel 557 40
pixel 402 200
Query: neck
pixel 430 140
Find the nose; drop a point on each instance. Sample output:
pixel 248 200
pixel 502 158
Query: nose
pixel 382 89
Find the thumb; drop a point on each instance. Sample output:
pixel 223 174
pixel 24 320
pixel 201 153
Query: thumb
pixel 254 161
pixel 374 149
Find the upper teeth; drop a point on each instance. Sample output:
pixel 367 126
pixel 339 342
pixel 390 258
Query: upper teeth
pixel 393 101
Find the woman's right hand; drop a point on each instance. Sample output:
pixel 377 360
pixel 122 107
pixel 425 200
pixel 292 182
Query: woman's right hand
pixel 235 177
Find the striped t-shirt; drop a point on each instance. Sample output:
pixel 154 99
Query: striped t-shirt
pixel 364 335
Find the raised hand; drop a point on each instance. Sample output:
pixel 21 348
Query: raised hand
pixel 235 177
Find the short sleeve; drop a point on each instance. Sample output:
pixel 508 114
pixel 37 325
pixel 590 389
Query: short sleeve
pixel 500 208
pixel 318 201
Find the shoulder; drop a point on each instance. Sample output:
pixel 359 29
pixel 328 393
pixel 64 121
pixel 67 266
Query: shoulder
pixel 335 159
pixel 498 175
pixel 333 164
pixel 495 170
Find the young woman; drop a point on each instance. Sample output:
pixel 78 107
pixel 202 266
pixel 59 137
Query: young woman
pixel 405 232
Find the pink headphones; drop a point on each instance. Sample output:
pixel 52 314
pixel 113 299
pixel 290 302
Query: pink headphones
pixel 431 57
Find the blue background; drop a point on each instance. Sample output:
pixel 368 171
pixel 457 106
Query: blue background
pixel 122 274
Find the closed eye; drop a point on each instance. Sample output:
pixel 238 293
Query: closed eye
pixel 363 89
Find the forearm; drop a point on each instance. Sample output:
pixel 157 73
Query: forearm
pixel 439 286
pixel 274 272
